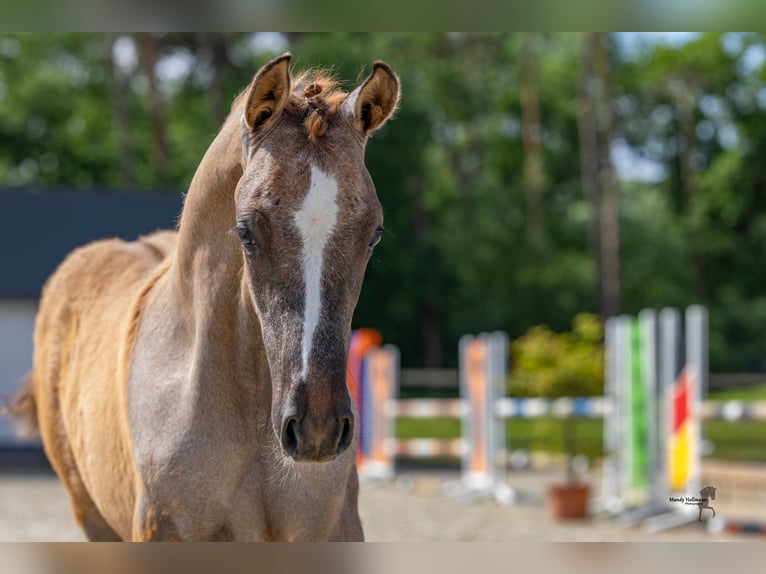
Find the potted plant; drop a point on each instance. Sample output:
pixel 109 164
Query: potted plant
pixel 570 498
pixel 556 365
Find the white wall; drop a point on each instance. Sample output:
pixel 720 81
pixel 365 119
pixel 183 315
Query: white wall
pixel 17 325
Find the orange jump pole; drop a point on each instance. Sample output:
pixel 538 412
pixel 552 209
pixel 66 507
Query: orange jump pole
pixel 380 383
pixel 362 340
pixel 483 378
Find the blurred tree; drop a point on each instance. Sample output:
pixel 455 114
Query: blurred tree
pixel 695 109
pixel 601 189
pixel 534 175
pixel 148 48
pixel 54 111
pixel 499 177
pixel 609 241
pixel 588 143
pixel 568 364
pixel 121 117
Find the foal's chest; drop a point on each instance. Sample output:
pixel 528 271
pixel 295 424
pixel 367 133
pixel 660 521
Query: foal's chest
pixel 290 502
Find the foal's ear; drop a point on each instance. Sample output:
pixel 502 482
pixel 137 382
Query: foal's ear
pixel 268 93
pixel 375 100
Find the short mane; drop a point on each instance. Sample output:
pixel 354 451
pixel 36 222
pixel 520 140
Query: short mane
pixel 316 97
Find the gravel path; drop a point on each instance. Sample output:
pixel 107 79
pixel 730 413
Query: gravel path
pixel 36 508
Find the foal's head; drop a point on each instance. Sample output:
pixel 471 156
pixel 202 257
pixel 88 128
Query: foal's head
pixel 308 218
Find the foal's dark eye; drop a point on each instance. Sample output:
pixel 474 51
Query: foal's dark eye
pixel 376 237
pixel 250 245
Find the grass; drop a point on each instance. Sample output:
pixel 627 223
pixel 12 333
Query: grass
pixel 745 440
pixel 544 433
pixel 755 393
pixel 438 427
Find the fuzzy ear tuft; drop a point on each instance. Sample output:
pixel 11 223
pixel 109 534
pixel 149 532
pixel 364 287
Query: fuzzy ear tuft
pixel 268 93
pixel 375 100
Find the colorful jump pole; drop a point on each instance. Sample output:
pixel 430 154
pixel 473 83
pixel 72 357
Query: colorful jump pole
pixel 690 386
pixel 483 377
pixel 381 385
pixel 362 340
pixel 474 385
pixel 631 383
pixel 648 327
pixel 671 360
pixel 683 379
pixel 613 423
pixel 656 377
pixel 637 444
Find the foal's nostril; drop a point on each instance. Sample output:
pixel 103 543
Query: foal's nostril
pixel 290 436
pixel 346 434
pixel 311 439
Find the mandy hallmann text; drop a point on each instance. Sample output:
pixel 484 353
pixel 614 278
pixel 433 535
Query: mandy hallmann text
pixel 688 499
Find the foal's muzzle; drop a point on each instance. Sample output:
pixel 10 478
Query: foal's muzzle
pixel 306 437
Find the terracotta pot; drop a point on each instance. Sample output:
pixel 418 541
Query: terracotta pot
pixel 568 501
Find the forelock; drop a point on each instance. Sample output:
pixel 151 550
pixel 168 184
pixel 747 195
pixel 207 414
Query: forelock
pixel 316 97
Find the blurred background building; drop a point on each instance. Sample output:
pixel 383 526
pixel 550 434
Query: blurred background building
pixel 37 230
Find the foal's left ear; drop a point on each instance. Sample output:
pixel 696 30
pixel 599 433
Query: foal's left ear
pixel 268 93
pixel 375 100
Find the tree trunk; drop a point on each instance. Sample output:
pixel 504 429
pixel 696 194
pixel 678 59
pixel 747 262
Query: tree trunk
pixel 610 186
pixel 588 141
pixel 687 142
pixel 534 176
pixel 121 119
pixel 430 334
pixel 160 154
pixel 429 320
pixel 213 46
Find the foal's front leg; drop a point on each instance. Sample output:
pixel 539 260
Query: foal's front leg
pixel 349 526
pixel 349 529
pixel 153 523
pixel 156 522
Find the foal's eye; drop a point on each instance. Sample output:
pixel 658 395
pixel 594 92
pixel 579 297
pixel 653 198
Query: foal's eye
pixel 376 237
pixel 250 245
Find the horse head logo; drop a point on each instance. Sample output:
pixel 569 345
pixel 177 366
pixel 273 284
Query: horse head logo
pixel 706 494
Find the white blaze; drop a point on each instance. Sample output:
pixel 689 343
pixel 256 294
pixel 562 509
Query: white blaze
pixel 315 221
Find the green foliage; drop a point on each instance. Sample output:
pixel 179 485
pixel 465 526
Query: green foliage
pixel 549 364
pixel 54 127
pixel 450 169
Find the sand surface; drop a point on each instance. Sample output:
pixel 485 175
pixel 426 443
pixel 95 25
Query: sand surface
pixel 35 507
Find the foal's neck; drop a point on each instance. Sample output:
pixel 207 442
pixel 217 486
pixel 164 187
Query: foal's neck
pixel 208 262
pixel 207 270
pixel 208 289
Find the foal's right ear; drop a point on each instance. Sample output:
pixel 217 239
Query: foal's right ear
pixel 268 93
pixel 371 104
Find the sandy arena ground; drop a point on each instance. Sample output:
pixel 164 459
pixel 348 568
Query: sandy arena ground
pixel 35 507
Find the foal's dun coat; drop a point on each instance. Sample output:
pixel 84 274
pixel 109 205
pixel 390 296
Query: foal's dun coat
pixel 191 385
